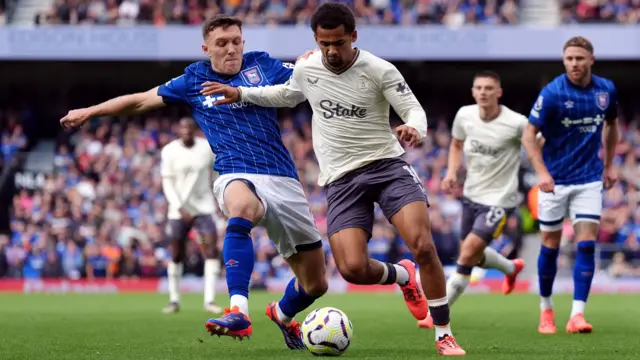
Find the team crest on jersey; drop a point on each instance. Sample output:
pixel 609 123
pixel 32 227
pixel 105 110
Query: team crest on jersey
pixel 602 100
pixel 363 84
pixel 252 75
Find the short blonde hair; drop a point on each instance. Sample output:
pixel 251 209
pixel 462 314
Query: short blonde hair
pixel 579 41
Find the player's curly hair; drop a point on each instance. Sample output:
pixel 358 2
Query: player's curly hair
pixel 219 20
pixel 332 15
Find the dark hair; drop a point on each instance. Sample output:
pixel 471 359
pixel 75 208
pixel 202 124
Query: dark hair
pixel 220 20
pixel 579 41
pixel 331 16
pixel 488 74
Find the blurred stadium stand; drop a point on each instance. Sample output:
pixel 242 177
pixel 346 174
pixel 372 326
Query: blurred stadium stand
pixel 87 198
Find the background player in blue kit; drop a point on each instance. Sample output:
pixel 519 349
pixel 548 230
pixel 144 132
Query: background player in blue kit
pixel 258 182
pixel 576 113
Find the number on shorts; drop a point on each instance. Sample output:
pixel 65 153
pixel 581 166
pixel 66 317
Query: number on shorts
pixel 494 216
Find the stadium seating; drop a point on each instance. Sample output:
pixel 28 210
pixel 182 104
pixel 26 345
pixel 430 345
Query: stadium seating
pixel 101 204
pixel 281 12
pixel 608 11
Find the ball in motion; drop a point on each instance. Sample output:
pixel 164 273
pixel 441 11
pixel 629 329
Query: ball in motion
pixel 327 332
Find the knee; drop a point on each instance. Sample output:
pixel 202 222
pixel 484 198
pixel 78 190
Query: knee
pixel 468 258
pixel 353 270
pixel 423 249
pixel 244 209
pixel 316 288
pixel 551 239
pixel 471 251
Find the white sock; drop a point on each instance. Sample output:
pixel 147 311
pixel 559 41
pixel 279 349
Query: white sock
pixel 546 303
pixel 456 285
pixel 241 302
pixel 284 318
pixel 494 260
pixel 174 274
pixel 211 271
pixel 441 331
pixel 577 308
pixel 385 274
pixel 402 275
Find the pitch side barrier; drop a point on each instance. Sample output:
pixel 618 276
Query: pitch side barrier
pixel 613 42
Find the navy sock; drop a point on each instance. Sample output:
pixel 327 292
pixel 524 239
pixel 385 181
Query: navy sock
pixel 238 256
pixel 547 268
pixel 583 269
pixel 295 300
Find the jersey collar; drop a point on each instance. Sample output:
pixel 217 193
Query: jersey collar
pixel 355 58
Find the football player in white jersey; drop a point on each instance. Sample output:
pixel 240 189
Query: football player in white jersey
pixel 488 135
pixel 350 91
pixel 186 170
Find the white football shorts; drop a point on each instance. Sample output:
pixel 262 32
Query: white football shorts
pixel 288 219
pixel 580 202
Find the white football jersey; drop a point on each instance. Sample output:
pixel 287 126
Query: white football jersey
pixel 350 124
pixel 190 170
pixel 492 150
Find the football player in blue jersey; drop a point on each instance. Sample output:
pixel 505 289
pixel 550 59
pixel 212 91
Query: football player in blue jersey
pixel 576 113
pixel 258 182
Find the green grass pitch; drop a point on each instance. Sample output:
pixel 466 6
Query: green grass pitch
pixel 132 327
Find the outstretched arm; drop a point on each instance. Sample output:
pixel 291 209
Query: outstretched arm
pixel 283 95
pixel 132 104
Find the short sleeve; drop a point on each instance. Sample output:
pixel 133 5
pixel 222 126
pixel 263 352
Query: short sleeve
pixel 279 72
pixel 174 90
pixel 543 109
pixel 522 123
pixel 612 111
pixel 457 131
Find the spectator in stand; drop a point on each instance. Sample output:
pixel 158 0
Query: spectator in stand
pixel 278 12
pixel 102 214
pixel 605 11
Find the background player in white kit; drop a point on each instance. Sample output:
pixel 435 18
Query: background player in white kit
pixel 350 91
pixel 489 136
pixel 187 170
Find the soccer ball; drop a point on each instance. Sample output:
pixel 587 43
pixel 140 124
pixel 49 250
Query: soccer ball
pixel 327 332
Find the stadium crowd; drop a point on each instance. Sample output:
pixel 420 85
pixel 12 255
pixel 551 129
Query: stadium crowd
pixel 13 138
pixel 600 11
pixel 101 213
pixel 272 12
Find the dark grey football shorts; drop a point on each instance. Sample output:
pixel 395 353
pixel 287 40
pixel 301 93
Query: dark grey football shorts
pixel 204 225
pixel 485 221
pixel 392 183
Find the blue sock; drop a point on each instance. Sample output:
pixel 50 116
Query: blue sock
pixel 295 300
pixel 547 268
pixel 584 269
pixel 238 256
